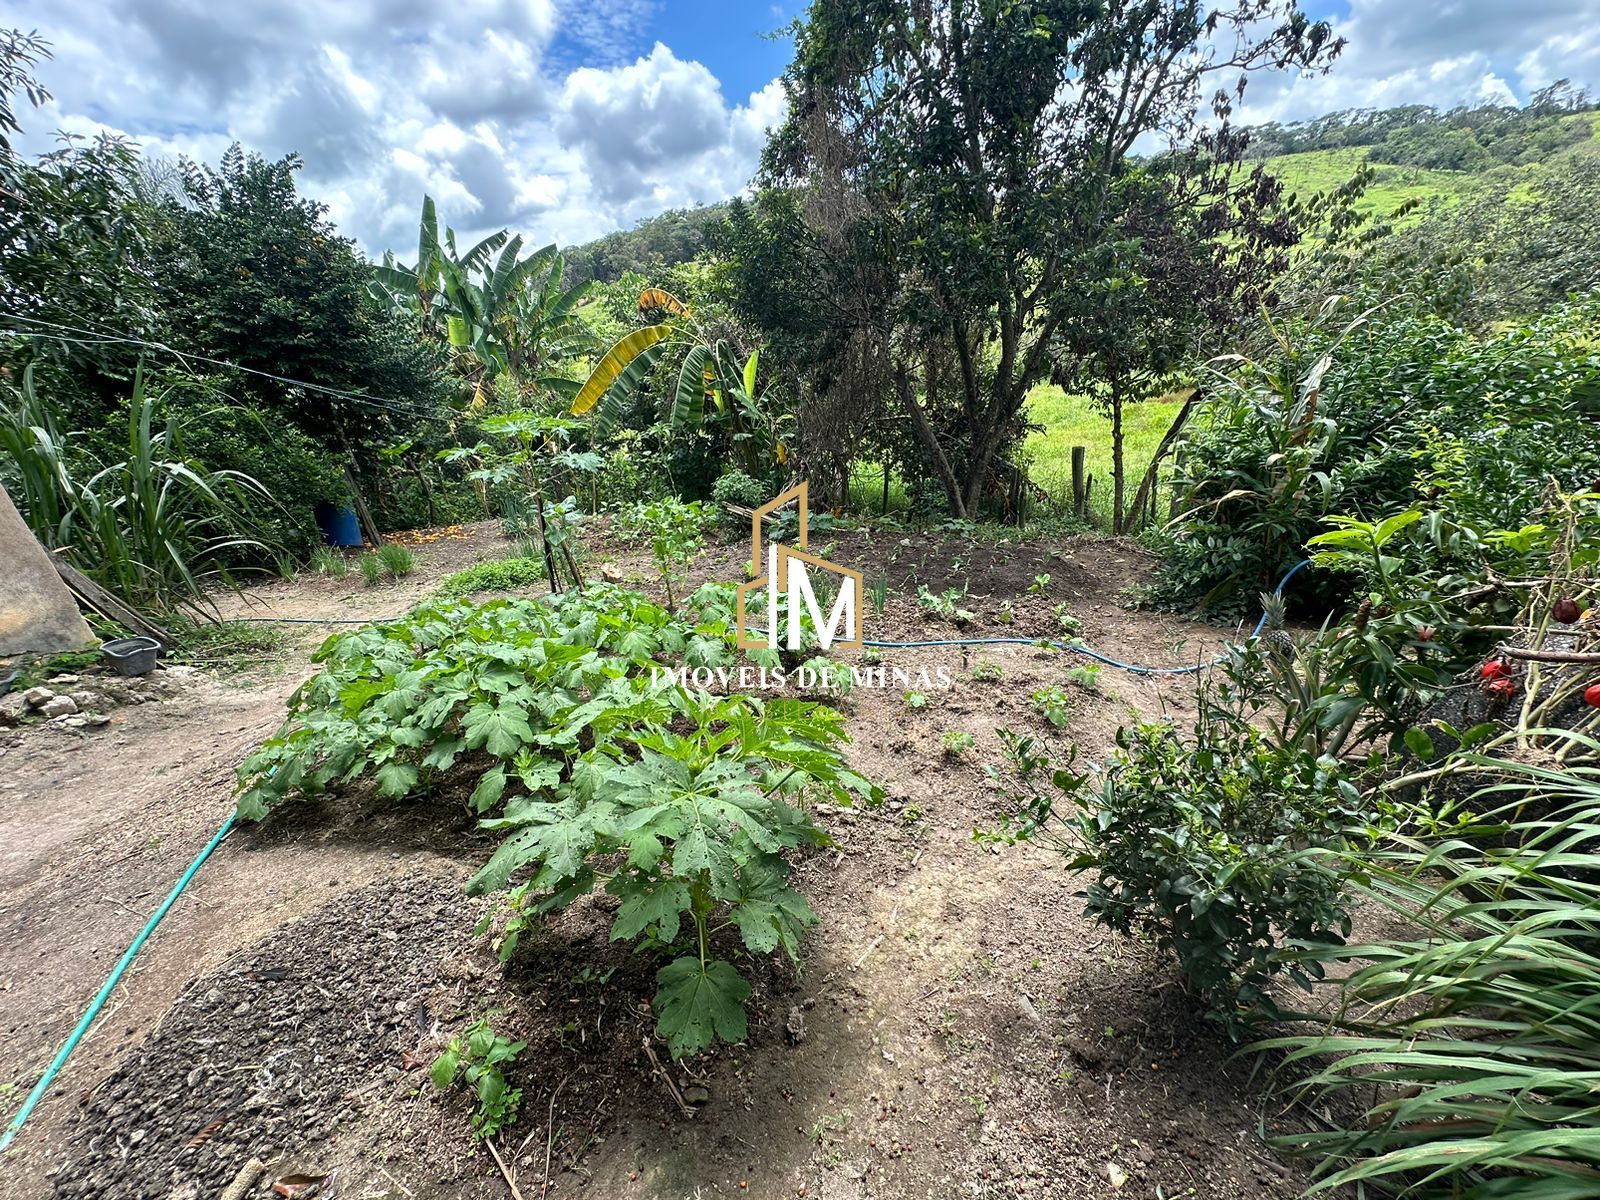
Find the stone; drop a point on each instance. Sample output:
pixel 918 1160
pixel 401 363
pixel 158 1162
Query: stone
pixel 37 696
pixel 59 706
pixel 610 573
pixel 1115 1175
pixel 37 613
pixel 13 707
pixel 696 1095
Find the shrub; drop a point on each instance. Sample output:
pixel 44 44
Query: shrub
pixel 498 575
pixel 675 529
pixel 1361 417
pixel 1212 845
pixel 735 487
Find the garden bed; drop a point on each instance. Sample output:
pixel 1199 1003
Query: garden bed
pixel 956 1027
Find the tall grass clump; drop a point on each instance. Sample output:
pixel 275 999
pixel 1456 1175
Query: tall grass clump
pixel 397 559
pixel 153 527
pixel 1463 1057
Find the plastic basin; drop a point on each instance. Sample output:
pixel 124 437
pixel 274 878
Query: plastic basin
pixel 131 656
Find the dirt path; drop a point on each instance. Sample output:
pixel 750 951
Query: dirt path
pixel 958 1028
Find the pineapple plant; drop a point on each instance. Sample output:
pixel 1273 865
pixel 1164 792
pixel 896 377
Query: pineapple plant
pixel 1273 635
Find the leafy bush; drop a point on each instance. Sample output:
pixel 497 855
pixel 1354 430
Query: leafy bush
pixel 675 529
pixel 1212 846
pixel 1365 418
pixel 735 487
pixel 603 772
pixel 479 1055
pixel 498 575
pixel 1463 1050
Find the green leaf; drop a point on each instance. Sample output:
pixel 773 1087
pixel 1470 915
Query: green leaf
pixel 396 779
pixel 659 904
pixel 613 363
pixel 489 790
pixel 501 730
pixel 1419 743
pixel 445 1068
pixel 689 398
pixel 698 1003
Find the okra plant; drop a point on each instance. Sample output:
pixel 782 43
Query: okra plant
pixel 599 770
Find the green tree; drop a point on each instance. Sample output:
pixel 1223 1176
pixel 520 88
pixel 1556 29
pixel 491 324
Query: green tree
pixel 73 232
pixel 979 152
pixel 252 274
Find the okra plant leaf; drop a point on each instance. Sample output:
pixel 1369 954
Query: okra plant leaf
pixel 696 1003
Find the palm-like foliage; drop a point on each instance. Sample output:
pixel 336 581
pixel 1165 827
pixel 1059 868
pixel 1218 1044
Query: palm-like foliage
pixel 154 527
pixel 499 312
pixel 713 377
pixel 1472 1043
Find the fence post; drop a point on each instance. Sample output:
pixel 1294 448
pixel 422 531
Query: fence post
pixel 1080 492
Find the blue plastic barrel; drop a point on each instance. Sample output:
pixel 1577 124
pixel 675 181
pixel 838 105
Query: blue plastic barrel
pixel 339 525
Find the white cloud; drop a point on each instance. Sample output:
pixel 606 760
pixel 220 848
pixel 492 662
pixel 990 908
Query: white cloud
pixel 1443 54
pixel 472 102
pixel 557 119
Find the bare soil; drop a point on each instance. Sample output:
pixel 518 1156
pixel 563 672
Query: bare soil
pixel 957 1028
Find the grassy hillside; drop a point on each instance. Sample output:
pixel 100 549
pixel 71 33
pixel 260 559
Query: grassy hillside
pixel 1070 421
pixel 1319 170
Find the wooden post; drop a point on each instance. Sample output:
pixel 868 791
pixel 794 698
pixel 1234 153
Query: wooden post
pixel 1080 493
pixel 369 527
pixel 884 507
pixel 97 599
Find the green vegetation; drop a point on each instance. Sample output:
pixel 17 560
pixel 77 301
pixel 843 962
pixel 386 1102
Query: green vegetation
pixel 496 575
pixel 325 560
pixel 397 560
pixel 595 773
pixel 150 524
pixel 479 1056
pixel 1066 421
pixel 371 569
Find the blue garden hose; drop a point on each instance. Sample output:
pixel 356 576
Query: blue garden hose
pixel 88 1018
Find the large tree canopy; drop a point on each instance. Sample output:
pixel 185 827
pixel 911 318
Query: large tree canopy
pixel 982 155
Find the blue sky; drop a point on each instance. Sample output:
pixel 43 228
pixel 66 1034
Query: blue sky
pixel 564 119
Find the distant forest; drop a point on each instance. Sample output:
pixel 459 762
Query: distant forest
pixel 1459 139
pixel 676 236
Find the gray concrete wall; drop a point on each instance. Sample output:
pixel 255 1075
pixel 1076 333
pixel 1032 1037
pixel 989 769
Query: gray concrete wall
pixel 37 613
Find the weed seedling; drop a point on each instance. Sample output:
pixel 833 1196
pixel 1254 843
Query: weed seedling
pixel 1051 704
pixel 956 742
pixel 478 1056
pixel 916 701
pixel 1040 584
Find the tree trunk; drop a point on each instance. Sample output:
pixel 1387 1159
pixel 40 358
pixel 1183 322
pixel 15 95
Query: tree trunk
pixel 929 443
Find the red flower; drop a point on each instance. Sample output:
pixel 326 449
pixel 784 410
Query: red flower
pixel 1500 689
pixel 1495 668
pixel 1591 695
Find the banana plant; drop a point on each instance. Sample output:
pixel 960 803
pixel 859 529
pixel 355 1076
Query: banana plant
pixel 713 382
pixel 500 313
